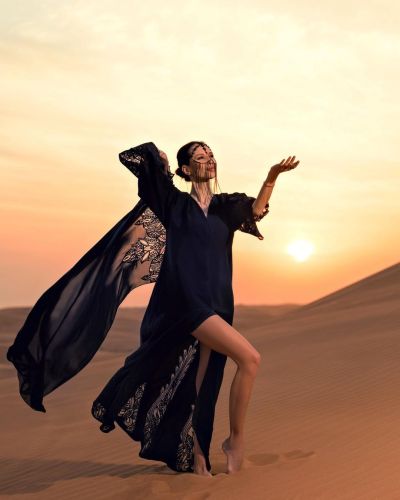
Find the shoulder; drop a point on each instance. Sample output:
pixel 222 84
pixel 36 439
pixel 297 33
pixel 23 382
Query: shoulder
pixel 232 198
pixel 232 204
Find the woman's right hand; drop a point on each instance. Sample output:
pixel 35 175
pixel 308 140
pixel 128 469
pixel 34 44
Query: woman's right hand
pixel 164 159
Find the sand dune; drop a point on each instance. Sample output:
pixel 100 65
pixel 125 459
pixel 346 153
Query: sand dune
pixel 322 422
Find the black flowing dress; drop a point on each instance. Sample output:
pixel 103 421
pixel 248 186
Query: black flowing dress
pixel 168 239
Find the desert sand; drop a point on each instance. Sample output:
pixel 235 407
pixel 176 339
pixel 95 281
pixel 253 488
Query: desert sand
pixel 322 422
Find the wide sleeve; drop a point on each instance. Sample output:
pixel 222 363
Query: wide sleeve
pixel 155 187
pixel 69 322
pixel 240 214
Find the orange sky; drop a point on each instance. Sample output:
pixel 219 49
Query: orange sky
pixel 258 82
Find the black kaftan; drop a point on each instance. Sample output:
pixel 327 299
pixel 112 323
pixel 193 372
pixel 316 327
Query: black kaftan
pixel 169 240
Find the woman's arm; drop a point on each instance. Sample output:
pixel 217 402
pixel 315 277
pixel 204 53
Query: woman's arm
pixel 155 186
pixel 268 185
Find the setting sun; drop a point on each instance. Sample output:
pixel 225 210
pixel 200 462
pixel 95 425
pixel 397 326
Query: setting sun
pixel 300 250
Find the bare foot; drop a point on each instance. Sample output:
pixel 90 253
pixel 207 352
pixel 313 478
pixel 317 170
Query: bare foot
pixel 234 451
pixel 200 466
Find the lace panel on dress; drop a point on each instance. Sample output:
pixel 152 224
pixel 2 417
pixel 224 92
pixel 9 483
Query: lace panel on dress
pixel 184 455
pixel 134 158
pixel 130 409
pixel 249 224
pixel 147 248
pixel 158 408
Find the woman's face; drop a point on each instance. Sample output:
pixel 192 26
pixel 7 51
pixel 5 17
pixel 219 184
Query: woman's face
pixel 202 163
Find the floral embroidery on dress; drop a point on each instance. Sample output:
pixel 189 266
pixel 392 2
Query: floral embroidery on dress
pixel 241 204
pixel 158 408
pixel 130 409
pixel 184 456
pixel 98 410
pixel 249 224
pixel 150 247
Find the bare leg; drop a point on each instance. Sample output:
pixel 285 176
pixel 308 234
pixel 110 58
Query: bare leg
pixel 199 460
pixel 220 336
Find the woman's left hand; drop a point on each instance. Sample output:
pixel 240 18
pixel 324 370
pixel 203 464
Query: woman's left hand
pixel 284 166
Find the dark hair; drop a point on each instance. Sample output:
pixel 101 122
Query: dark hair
pixel 183 156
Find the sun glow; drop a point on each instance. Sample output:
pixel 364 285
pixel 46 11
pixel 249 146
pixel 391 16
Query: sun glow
pixel 300 250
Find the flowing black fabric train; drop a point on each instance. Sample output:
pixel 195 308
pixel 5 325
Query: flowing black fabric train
pixel 167 239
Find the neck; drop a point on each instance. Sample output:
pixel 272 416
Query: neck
pixel 201 190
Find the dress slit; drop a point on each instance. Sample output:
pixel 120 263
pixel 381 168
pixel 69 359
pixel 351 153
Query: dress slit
pixel 163 409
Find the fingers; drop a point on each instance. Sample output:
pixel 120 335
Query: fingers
pixel 289 163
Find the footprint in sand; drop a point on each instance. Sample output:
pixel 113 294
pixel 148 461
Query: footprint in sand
pixel 296 454
pixel 262 459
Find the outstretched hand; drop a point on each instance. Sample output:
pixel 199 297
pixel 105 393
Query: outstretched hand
pixel 284 166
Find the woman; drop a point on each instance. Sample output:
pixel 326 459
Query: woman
pixel 165 394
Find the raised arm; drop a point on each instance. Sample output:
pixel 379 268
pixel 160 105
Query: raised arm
pixel 155 185
pixel 245 211
pixel 261 202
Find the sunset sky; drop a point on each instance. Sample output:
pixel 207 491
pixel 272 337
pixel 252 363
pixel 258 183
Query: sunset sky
pixel 258 81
